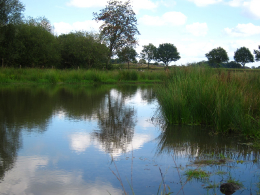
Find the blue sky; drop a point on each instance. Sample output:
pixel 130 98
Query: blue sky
pixel 194 26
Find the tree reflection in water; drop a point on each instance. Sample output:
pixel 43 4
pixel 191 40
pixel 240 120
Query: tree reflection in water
pixel 116 122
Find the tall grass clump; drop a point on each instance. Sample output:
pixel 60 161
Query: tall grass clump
pixel 226 101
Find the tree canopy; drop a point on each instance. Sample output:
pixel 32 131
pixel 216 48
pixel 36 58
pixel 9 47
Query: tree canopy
pixel 217 55
pixel 257 54
pixel 119 26
pixel 10 12
pixel 167 53
pixel 148 53
pixel 243 56
pixel 127 54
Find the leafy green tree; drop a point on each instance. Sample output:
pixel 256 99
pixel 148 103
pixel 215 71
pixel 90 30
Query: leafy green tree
pixel 142 61
pixel 257 54
pixel 167 53
pixel 243 56
pixel 127 54
pixel 36 46
pixel 10 12
pixel 231 64
pixel 81 49
pixel 217 55
pixel 119 26
pixel 148 53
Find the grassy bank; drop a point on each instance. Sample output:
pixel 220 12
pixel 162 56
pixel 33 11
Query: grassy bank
pixel 10 75
pixel 227 101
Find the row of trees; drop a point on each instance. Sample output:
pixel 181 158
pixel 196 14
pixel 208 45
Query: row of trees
pixel 31 42
pixel 242 56
pixel 165 53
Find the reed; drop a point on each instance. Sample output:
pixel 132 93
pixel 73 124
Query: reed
pixel 224 100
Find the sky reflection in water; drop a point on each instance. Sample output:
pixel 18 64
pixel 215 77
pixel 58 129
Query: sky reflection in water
pixel 60 140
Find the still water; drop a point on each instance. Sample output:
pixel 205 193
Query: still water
pixel 84 139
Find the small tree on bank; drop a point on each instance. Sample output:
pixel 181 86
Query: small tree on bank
pixel 167 53
pixel 127 54
pixel 217 55
pixel 148 53
pixel 243 56
pixel 119 26
pixel 257 54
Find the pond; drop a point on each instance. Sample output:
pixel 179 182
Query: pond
pixel 78 139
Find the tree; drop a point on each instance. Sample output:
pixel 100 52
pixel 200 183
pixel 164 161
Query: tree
pixel 81 49
pixel 231 64
pixel 167 53
pixel 148 53
pixel 36 46
pixel 257 54
pixel 10 12
pixel 217 55
pixel 142 61
pixel 119 26
pixel 127 54
pixel 243 56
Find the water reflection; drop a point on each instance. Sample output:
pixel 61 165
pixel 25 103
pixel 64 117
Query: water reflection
pixel 197 142
pixel 116 122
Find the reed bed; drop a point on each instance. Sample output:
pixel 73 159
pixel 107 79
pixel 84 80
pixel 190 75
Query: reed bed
pixel 222 99
pixel 11 75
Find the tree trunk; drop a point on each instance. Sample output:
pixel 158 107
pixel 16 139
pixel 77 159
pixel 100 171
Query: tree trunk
pixel 148 65
pixel 2 62
pixel 128 65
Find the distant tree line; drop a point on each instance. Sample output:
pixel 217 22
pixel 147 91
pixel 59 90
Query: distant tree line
pixel 31 42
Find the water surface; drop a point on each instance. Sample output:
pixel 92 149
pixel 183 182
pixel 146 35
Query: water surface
pixel 74 139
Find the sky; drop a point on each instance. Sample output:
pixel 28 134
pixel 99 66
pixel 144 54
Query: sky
pixel 195 27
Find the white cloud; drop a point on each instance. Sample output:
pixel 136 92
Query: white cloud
pixel 26 177
pixel 252 8
pixel 79 142
pixel 243 30
pixel 168 3
pixel 197 29
pixel 205 2
pixel 137 4
pixel 236 3
pixel 169 18
pixel 64 28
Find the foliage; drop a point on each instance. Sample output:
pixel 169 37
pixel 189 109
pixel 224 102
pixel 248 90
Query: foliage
pixel 217 55
pixel 196 174
pixel 243 56
pixel 81 49
pixel 119 26
pixel 231 64
pixel 148 53
pixel 29 44
pixel 257 54
pixel 10 12
pixel 167 53
pixel 142 61
pixel 127 54
pixel 36 75
pixel 219 99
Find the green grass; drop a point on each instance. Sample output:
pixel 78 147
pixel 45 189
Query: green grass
pixel 196 174
pixel 223 100
pixel 11 75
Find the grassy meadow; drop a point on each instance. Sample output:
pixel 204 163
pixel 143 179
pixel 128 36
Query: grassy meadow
pixel 11 75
